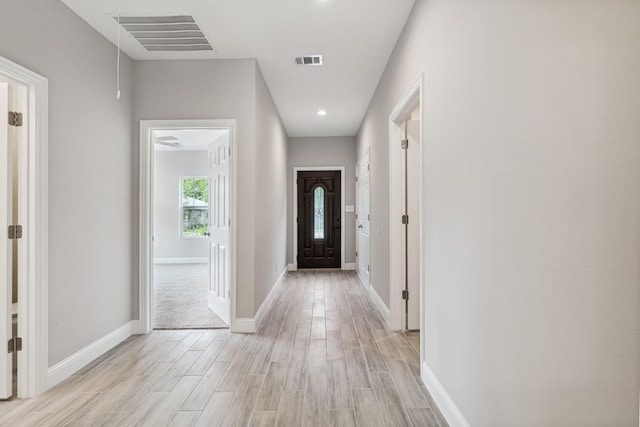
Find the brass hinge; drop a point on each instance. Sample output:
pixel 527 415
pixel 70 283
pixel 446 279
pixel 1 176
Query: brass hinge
pixel 15 119
pixel 15 344
pixel 405 294
pixel 15 232
pixel 405 219
pixel 404 144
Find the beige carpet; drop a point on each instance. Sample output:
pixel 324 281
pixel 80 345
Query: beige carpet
pixel 181 298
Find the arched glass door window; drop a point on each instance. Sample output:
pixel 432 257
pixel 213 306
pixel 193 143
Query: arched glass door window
pixel 318 209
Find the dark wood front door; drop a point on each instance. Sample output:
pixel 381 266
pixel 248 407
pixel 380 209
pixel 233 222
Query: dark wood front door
pixel 319 219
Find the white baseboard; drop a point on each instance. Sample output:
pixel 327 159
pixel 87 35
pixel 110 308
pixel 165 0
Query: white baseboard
pixel 384 310
pixel 190 260
pixel 440 396
pixel 248 325
pixel 268 301
pixel 351 266
pixel 244 325
pixel 292 267
pixel 72 364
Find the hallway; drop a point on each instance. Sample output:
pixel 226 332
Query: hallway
pixel 320 357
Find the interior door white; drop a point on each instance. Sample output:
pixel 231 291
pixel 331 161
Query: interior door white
pixel 363 221
pixel 219 228
pixel 413 210
pixel 6 203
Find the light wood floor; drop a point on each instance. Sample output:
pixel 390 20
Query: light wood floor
pixel 321 357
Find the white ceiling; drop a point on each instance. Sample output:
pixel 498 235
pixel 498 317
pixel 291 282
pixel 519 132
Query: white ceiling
pixel 355 38
pixel 188 139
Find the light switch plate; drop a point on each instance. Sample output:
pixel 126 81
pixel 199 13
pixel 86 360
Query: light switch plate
pixel 349 208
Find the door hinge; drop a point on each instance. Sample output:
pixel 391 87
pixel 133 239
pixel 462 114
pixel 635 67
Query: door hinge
pixel 368 217
pixel 356 179
pixel 368 268
pixel 405 219
pixel 15 119
pixel 368 167
pixel 405 294
pixel 356 254
pixel 15 232
pixel 404 144
pixel 15 344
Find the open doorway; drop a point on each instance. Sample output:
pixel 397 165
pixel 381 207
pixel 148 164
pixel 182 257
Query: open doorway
pixel 23 213
pixel 181 228
pixel 406 236
pixel 187 257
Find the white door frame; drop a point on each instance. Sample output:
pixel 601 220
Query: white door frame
pixel 294 225
pixel 412 99
pixel 33 255
pixel 146 209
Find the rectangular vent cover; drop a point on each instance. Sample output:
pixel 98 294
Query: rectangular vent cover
pixel 165 33
pixel 309 60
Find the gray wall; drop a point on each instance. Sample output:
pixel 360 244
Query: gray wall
pixel 531 230
pixel 332 151
pixel 90 170
pixel 230 89
pixel 271 196
pixel 169 167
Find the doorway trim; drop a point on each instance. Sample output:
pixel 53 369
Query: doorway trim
pixel 413 98
pixel 294 224
pixel 146 298
pixel 33 252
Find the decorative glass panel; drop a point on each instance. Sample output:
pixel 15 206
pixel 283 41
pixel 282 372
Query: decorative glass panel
pixel 195 206
pixel 318 209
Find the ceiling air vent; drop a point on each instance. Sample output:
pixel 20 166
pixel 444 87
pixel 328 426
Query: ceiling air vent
pixel 309 60
pixel 165 33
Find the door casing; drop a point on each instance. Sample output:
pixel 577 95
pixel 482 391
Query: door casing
pixel 294 224
pixel 33 212
pixel 146 209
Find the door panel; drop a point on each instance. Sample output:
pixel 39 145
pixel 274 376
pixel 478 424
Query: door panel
pixel 6 202
pixel 219 229
pixel 319 219
pixel 363 221
pixel 413 210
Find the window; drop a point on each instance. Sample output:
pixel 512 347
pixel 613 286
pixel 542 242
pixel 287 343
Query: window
pixel 318 209
pixel 194 206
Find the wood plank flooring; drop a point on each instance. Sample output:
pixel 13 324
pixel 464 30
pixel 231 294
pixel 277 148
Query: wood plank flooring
pixel 321 357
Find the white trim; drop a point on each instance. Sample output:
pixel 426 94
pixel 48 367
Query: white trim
pixel 297 169
pixel 191 260
pixel 350 266
pixel 291 267
pixel 270 299
pixel 244 325
pixel 443 400
pixel 382 307
pixel 146 210
pixel 33 207
pixel 72 364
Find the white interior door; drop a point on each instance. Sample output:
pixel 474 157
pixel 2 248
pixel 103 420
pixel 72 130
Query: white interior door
pixel 219 227
pixel 413 210
pixel 6 203
pixel 363 220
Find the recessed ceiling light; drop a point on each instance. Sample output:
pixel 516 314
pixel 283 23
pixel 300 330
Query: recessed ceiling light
pixel 322 112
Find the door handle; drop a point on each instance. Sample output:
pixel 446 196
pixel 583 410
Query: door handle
pixel 360 226
pixel 207 234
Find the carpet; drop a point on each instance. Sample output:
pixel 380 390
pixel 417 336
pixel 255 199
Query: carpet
pixel 181 298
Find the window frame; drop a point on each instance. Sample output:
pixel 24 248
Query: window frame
pixel 181 206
